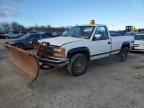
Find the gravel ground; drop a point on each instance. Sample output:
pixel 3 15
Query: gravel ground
pixel 108 83
pixel 2 41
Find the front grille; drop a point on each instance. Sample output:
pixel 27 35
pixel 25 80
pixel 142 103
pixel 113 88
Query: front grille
pixel 45 52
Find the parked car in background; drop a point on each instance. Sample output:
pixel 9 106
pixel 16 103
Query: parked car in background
pixel 55 34
pixel 139 42
pixel 1 36
pixel 22 34
pixel 130 33
pixel 29 40
pixel 115 34
pixel 14 34
pixel 4 36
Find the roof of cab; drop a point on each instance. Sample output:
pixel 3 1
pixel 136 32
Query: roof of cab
pixel 92 25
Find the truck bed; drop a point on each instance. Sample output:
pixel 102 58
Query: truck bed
pixel 117 41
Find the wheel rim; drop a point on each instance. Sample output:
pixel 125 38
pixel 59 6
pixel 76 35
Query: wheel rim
pixel 79 66
pixel 124 54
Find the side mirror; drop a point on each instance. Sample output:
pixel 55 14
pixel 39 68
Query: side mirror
pixel 97 36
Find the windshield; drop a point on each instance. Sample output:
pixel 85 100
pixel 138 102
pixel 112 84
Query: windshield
pixel 25 36
pixel 139 37
pixel 80 32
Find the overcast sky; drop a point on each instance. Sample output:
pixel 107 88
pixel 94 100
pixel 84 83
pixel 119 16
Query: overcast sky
pixel 114 13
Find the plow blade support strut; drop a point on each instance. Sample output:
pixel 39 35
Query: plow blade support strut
pixel 25 61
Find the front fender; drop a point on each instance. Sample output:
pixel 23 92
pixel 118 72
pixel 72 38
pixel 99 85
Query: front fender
pixel 80 50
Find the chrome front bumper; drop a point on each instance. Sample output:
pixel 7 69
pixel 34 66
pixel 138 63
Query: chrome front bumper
pixel 53 61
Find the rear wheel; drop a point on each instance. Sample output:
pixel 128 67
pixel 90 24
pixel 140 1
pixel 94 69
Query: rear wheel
pixel 77 65
pixel 123 54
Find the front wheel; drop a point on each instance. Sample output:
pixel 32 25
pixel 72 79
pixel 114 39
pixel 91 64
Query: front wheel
pixel 123 54
pixel 77 65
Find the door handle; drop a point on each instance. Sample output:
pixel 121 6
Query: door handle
pixel 109 42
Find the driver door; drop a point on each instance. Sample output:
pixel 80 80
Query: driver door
pixel 101 43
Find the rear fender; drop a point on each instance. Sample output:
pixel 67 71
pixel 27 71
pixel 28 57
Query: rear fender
pixel 126 44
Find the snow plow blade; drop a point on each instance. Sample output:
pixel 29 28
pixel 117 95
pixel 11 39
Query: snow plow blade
pixel 25 61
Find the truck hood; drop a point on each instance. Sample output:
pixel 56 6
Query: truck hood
pixel 59 41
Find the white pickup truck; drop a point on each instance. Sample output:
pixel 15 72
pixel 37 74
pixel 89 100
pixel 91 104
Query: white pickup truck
pixel 80 45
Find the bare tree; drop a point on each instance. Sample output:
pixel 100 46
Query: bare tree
pixel 17 27
pixel 5 26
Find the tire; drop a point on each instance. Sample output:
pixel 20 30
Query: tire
pixel 123 54
pixel 77 65
pixel 20 45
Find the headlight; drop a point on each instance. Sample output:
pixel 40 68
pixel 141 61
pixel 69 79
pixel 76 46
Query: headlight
pixel 59 52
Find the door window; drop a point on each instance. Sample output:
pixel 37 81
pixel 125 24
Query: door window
pixel 101 33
